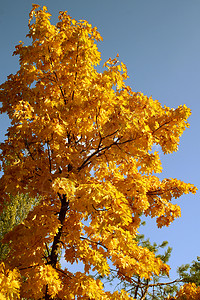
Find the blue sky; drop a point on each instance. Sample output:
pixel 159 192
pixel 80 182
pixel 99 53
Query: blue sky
pixel 159 41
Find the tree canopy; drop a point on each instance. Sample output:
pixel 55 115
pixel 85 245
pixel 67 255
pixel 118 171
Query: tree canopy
pixel 84 142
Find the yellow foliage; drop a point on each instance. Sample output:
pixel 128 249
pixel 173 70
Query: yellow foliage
pixel 84 142
pixel 9 283
pixel 188 291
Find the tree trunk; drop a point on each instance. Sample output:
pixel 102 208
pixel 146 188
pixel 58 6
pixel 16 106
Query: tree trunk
pixel 57 238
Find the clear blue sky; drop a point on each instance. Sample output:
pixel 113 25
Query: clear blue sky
pixel 159 41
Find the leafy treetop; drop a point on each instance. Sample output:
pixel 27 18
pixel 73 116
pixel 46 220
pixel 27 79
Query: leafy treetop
pixel 83 141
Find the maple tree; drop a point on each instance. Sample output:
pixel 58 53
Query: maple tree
pixel 83 141
pixel 154 288
pixel 158 286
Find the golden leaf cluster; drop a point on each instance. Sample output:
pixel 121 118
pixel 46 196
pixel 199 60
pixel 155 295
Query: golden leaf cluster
pixel 189 291
pixel 9 283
